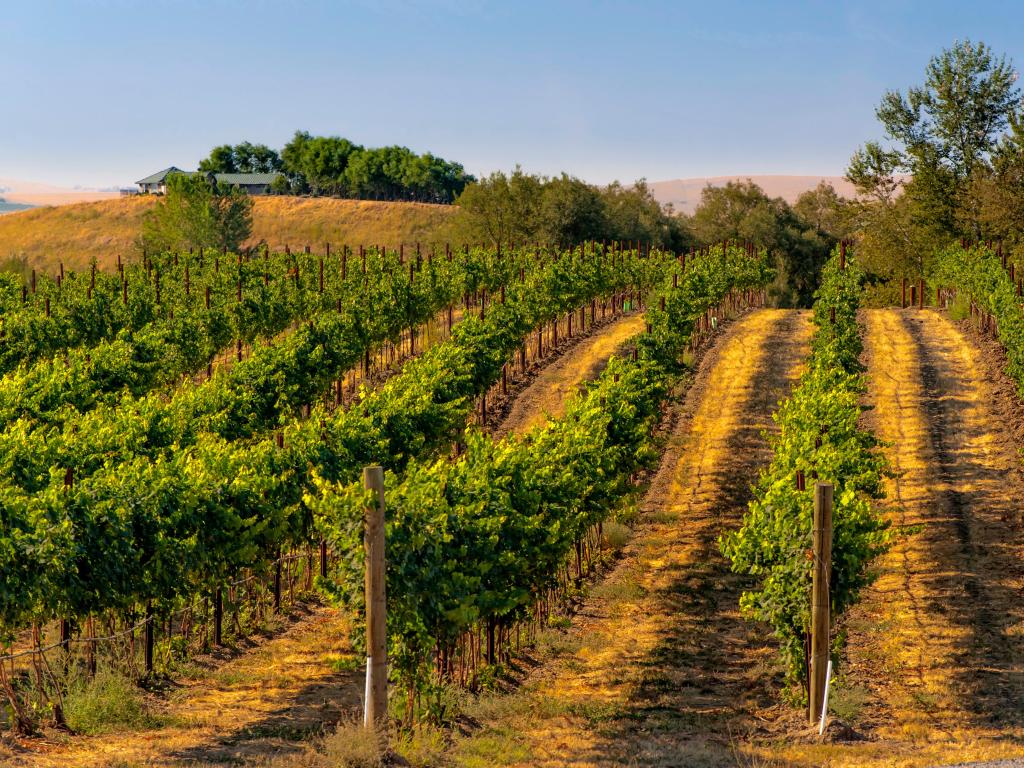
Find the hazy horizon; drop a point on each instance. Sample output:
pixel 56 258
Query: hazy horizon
pixel 102 93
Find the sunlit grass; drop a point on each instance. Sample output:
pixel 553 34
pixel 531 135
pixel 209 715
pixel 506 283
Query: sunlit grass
pixel 75 234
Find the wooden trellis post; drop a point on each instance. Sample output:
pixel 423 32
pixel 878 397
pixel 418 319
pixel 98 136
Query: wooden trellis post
pixel 376 611
pixel 820 598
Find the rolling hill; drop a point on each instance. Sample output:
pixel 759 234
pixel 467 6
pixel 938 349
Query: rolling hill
pixel 75 234
pixel 684 194
pixel 35 193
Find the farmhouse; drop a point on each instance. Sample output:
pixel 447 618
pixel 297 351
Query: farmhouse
pixel 250 183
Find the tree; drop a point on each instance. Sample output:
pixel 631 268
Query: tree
pixel 999 191
pixel 825 210
pixel 196 212
pixel 742 211
pixel 221 160
pixel 570 211
pixel 317 164
pixel 564 211
pixel 241 158
pixel 632 213
pixel 942 133
pixel 499 209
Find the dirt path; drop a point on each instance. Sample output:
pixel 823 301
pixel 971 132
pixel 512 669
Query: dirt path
pixel 935 672
pixel 659 668
pixel 258 704
pixel 546 395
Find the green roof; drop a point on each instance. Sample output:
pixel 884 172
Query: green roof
pixel 159 178
pixel 246 178
pixel 231 179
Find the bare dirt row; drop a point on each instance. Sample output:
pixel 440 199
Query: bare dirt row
pixel 659 667
pixel 935 667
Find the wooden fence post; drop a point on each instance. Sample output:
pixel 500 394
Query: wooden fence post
pixel 820 622
pixel 277 583
pixel 218 617
pixel 376 706
pixel 149 638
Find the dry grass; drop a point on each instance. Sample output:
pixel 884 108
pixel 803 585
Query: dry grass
pixel 349 746
pixel 75 234
pixel 550 391
pixel 264 702
pixel 653 671
pixel 933 670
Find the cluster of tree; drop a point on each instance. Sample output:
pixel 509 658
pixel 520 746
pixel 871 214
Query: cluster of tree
pixel 563 211
pixel 331 165
pixel 800 237
pixel 197 212
pixel 951 165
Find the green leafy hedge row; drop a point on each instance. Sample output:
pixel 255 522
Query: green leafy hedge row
pixel 481 538
pixel 775 540
pixel 978 274
pixel 171 498
pixel 181 335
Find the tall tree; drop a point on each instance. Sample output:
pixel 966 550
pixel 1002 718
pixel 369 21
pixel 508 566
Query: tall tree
pixel 742 211
pixel 241 158
pixel 570 211
pixel 499 209
pixel 1000 191
pixel 196 212
pixel 826 210
pixel 942 133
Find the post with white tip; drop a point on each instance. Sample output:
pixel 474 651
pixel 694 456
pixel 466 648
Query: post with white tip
pixel 820 599
pixel 376 612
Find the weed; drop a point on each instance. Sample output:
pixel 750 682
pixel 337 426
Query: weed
pixel 346 663
pixel 108 702
pixel 559 622
pixel 846 703
pixel 617 535
pixel 619 590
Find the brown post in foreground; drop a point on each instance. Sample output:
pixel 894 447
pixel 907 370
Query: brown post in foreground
pixel 820 598
pixel 149 638
pixel 376 617
pixel 218 617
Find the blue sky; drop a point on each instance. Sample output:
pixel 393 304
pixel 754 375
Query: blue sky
pixel 103 92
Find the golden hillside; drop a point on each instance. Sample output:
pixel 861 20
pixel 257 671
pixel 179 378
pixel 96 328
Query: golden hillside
pixel 75 234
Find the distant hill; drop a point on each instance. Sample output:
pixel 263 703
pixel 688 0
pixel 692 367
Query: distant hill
pixel 684 194
pixel 34 193
pixel 75 234
pixel 7 207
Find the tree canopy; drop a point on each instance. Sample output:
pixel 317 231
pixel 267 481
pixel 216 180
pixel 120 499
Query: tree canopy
pixel 196 212
pixel 332 165
pixel 799 237
pixel 947 166
pixel 241 158
pixel 563 211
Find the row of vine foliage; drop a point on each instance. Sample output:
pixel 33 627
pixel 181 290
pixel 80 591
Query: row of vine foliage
pixel 172 497
pixel 820 437
pixel 980 276
pixel 478 540
pixel 188 300
pixel 376 299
